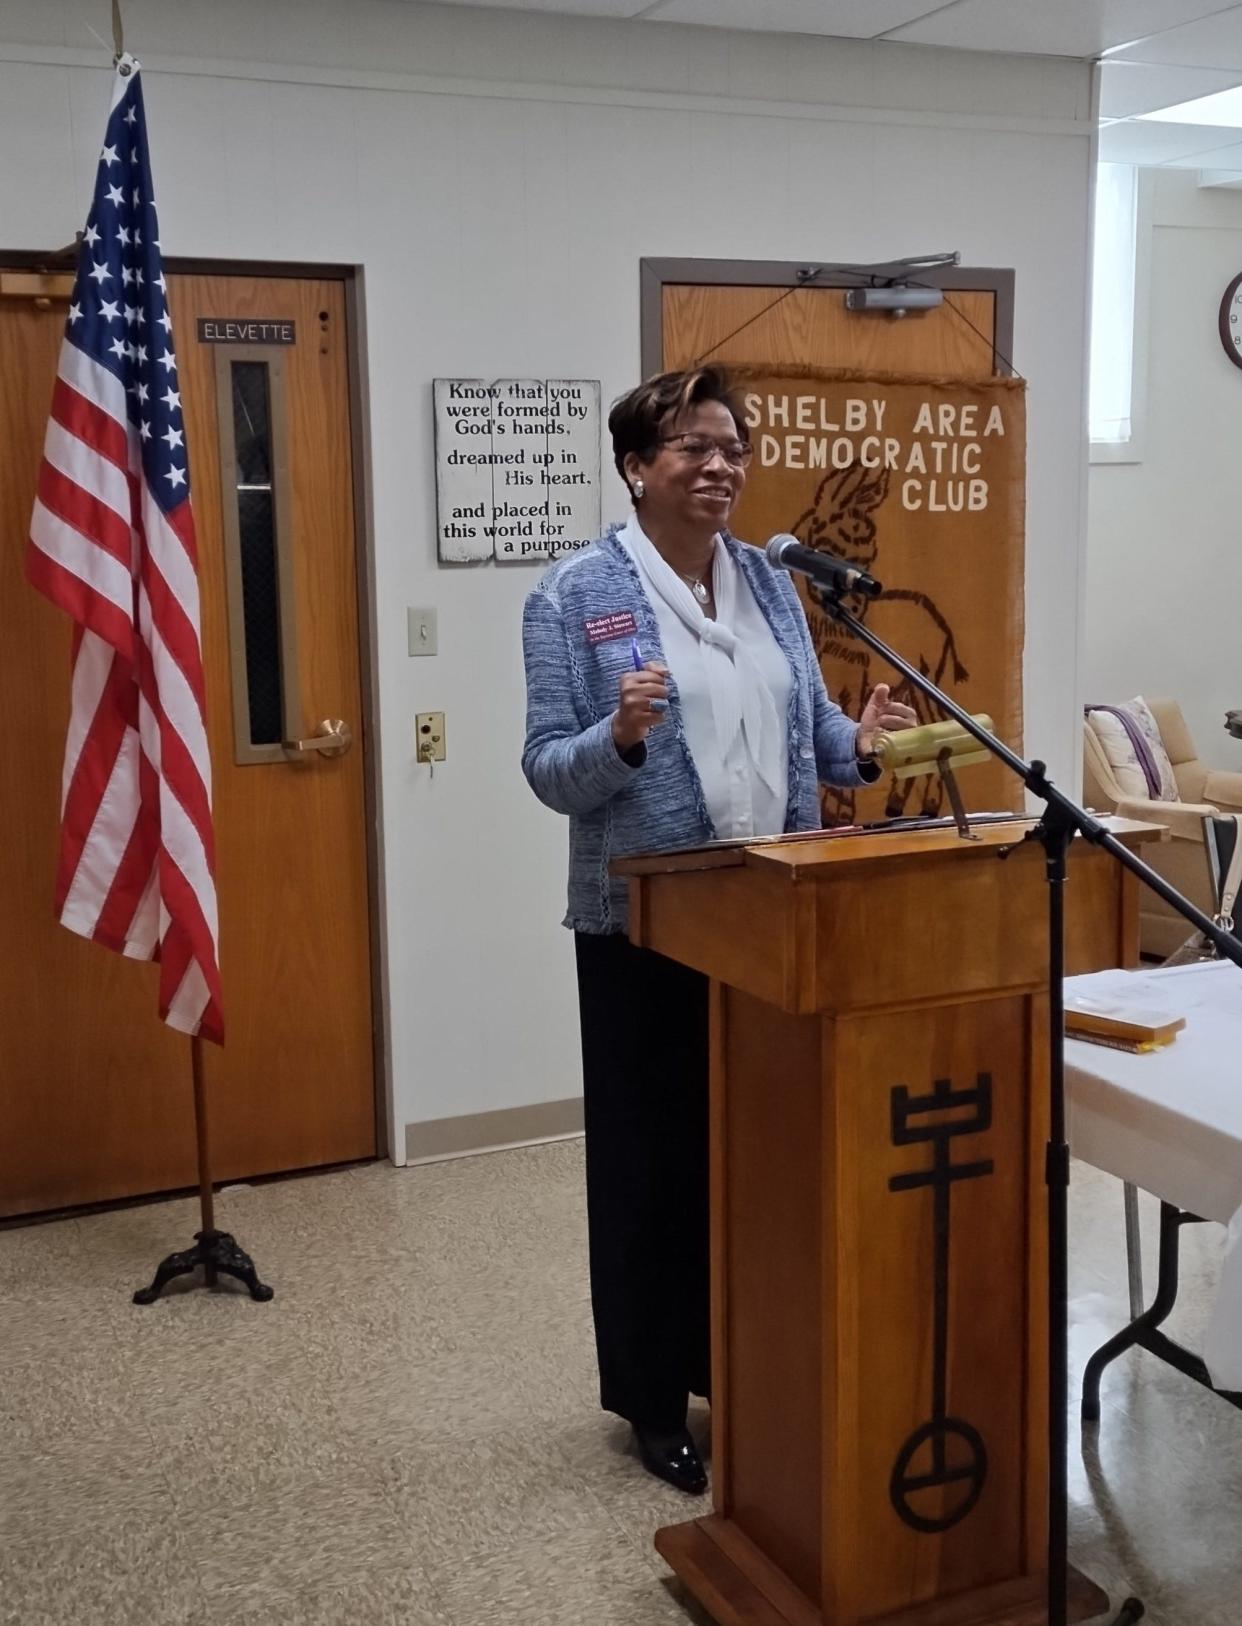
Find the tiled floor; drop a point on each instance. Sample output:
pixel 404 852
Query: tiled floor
pixel 408 1434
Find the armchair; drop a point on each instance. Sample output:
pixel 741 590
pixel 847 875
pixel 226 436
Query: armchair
pixel 1182 860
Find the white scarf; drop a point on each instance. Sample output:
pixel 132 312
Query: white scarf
pixel 740 697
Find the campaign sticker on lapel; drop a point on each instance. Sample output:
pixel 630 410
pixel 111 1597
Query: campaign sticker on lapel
pixel 602 629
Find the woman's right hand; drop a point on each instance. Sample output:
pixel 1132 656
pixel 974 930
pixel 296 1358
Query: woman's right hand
pixel 643 703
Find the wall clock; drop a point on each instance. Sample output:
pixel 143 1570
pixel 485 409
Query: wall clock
pixel 1231 321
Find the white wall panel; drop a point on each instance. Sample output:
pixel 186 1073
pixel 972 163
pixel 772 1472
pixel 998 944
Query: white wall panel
pixel 1164 555
pixel 500 229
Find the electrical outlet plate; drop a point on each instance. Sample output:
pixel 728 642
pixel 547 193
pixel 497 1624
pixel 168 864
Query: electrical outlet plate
pixel 429 736
pixel 420 630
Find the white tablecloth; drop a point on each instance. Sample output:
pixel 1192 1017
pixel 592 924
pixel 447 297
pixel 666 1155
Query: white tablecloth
pixel 1170 1121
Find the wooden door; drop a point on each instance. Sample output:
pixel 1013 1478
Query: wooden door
pixel 94 1091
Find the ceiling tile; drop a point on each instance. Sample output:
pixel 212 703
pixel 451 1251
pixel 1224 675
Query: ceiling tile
pixel 1219 158
pixel 1127 88
pixel 843 19
pixel 577 8
pixel 1213 42
pixel 1059 27
pixel 1138 141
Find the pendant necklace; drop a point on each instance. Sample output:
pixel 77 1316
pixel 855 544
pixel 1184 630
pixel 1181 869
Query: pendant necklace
pixel 699 588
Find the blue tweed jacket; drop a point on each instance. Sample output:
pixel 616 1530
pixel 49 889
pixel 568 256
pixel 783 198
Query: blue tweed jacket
pixel 576 634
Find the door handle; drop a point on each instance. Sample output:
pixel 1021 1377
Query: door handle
pixel 332 740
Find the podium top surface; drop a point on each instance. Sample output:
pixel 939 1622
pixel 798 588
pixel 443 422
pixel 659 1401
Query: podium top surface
pixel 809 851
pixel 804 922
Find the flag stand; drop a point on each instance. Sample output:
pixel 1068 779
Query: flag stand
pixel 216 1251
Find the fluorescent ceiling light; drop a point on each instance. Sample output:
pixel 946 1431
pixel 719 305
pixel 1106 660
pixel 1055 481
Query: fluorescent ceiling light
pixel 1223 108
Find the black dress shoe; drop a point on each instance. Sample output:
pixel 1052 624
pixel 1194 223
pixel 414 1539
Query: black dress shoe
pixel 672 1457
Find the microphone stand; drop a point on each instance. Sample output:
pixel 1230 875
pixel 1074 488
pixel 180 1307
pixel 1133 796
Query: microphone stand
pixel 1060 822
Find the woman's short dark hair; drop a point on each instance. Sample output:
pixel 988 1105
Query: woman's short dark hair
pixel 637 417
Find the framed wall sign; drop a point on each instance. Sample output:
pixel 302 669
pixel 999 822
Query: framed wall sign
pixel 517 468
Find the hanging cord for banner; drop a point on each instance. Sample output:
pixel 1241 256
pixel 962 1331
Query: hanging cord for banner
pixel 805 278
pixel 809 274
pixel 997 355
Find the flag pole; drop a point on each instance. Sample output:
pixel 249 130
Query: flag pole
pixel 119 556
pixel 206 1198
pixel 216 1251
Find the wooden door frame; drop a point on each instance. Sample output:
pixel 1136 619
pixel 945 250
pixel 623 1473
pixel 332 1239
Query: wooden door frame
pixel 655 274
pixel 353 278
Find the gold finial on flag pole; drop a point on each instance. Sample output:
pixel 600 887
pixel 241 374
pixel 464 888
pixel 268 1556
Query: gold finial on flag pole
pixel 118 32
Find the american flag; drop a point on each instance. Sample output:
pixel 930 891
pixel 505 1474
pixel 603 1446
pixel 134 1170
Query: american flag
pixel 112 543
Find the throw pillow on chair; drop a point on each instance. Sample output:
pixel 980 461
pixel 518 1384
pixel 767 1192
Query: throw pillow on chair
pixel 1129 736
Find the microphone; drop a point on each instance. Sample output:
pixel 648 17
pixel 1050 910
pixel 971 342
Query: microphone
pixel 787 553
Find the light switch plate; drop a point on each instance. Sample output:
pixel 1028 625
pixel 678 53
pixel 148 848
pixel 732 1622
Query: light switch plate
pixel 421 630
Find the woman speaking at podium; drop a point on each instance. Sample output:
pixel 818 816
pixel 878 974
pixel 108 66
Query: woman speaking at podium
pixel 673 698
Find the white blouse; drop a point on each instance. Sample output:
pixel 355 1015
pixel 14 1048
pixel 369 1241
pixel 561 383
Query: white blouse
pixel 733 682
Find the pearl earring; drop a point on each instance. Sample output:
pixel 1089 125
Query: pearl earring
pixel 639 490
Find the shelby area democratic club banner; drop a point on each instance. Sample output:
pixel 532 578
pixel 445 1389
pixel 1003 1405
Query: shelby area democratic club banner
pixel 921 482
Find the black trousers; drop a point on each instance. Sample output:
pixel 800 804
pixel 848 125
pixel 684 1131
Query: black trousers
pixel 645 1072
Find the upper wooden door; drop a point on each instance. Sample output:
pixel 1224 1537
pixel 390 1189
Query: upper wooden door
pixel 95 1098
pixel 812 327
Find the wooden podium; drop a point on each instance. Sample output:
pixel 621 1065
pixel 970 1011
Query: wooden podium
pixel 879 1286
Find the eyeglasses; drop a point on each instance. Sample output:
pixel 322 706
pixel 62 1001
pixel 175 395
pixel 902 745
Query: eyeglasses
pixel 702 448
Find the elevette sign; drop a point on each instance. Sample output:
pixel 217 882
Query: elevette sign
pixel 256 330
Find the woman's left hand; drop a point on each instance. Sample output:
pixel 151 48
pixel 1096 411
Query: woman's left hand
pixel 881 713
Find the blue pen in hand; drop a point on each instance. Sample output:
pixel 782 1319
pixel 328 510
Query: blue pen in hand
pixel 636 656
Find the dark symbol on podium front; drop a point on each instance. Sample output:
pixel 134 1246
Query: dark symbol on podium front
pixel 944 1452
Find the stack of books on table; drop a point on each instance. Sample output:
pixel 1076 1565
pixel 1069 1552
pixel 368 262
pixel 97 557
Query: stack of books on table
pixel 1122 1023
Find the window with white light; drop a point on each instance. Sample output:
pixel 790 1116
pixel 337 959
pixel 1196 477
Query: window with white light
pixel 1112 304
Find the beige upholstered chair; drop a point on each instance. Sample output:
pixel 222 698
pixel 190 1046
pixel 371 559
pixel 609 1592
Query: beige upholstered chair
pixel 1182 860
